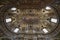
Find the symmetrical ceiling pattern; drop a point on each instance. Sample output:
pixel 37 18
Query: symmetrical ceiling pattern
pixel 29 19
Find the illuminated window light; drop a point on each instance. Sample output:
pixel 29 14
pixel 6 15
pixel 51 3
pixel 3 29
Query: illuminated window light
pixel 48 8
pixel 16 30
pixel 13 8
pixel 8 20
pixel 53 20
pixel 45 30
pixel 26 31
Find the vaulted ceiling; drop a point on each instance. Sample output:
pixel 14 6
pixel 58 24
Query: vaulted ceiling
pixel 27 4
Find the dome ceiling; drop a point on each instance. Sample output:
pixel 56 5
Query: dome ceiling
pixel 30 19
